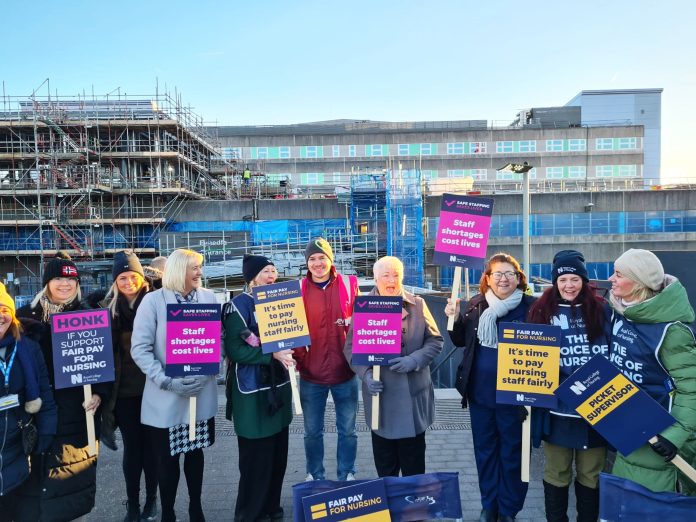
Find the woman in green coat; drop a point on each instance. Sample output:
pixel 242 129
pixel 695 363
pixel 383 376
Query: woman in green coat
pixel 653 347
pixel 258 400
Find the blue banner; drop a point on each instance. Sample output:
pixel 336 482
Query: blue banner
pixel 622 500
pixel 418 497
pixel 620 411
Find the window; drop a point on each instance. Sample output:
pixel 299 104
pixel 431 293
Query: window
pixel 477 147
pixel 337 176
pixel 479 174
pixel 604 144
pixel 504 146
pixel 455 148
pixel 373 150
pixel 426 149
pixel 476 174
pixel 577 145
pixel 262 152
pixel 513 176
pixel 283 152
pixel 627 171
pixel 554 146
pixel 232 153
pixel 403 149
pixel 312 178
pixel 604 171
pixel 528 146
pixel 311 151
pixel 427 175
pixel 351 151
pixel 576 172
pixel 627 143
pixel 456 173
pixel 554 172
pixel 336 151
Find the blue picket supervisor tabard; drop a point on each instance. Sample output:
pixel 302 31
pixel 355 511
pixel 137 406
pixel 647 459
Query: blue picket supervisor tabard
pixel 348 503
pixel 82 348
pixel 617 408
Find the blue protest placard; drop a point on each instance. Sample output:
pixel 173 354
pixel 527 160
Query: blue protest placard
pixel 281 317
pixel 193 339
pixel 617 408
pixel 365 501
pixel 82 348
pixel 376 329
pixel 528 364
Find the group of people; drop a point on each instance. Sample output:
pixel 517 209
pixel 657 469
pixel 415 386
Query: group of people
pixel 52 475
pixel 642 328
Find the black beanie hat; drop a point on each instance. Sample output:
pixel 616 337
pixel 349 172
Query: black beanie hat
pixel 318 245
pixel 252 265
pixel 126 261
pixel 569 262
pixel 60 266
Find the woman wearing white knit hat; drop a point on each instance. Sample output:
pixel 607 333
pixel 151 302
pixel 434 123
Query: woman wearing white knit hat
pixel 658 353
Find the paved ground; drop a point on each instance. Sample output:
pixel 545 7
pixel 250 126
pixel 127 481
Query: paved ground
pixel 449 448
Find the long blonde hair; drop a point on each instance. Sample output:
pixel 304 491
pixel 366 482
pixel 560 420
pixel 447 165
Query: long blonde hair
pixel 111 296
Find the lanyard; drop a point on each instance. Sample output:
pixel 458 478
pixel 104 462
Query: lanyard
pixel 5 368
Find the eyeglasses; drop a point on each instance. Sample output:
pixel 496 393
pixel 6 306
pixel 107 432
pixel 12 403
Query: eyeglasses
pixel 497 276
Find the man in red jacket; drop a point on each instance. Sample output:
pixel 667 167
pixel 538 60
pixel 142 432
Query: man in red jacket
pixel 328 298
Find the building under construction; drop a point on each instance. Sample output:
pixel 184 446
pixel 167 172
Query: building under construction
pixel 92 176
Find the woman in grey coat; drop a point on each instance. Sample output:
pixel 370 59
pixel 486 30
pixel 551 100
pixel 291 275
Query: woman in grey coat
pixel 406 396
pixel 165 406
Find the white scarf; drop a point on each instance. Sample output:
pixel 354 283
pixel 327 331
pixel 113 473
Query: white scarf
pixel 497 308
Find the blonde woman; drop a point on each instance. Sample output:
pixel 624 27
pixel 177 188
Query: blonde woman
pixel 165 405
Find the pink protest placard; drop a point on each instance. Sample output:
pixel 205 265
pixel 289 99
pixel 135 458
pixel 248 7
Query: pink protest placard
pixel 193 339
pixel 376 329
pixel 463 230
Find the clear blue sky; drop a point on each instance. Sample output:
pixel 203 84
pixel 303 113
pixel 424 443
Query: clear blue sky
pixel 273 62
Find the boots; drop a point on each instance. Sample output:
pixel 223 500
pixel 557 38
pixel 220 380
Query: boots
pixel 587 502
pixel 150 509
pixel 132 512
pixel 556 502
pixel 196 511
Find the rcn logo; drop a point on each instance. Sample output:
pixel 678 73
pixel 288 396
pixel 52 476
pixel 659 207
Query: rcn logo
pixel 281 344
pixel 519 397
pixel 577 388
pixel 370 358
pixel 453 259
pixel 187 367
pixel 76 378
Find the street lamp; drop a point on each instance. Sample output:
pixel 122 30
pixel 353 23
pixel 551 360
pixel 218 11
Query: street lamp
pixel 523 169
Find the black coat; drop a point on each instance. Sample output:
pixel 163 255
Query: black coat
pixel 63 483
pixel 464 334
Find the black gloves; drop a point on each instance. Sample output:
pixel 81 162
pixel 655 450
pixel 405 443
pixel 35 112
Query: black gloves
pixel 664 448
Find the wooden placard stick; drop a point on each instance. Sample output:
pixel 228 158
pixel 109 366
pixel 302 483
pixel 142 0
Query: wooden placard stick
pixel 456 283
pixel 89 418
pixel 374 424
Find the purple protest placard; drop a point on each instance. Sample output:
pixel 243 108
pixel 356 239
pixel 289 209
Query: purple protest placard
pixel 193 339
pixel 463 230
pixel 376 329
pixel 82 348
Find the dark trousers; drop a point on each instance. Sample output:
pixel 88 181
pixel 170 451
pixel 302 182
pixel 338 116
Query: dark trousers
pixel 399 455
pixel 138 457
pixel 7 504
pixel 262 464
pixel 497 434
pixel 168 473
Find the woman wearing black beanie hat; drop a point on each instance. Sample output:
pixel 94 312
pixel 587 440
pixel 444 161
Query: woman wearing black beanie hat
pixel 64 488
pixel 257 385
pixel 572 304
pixel 123 409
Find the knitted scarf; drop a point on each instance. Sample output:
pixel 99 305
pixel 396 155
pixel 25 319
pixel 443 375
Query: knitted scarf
pixel 497 308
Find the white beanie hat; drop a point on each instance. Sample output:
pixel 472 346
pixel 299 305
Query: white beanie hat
pixel 641 266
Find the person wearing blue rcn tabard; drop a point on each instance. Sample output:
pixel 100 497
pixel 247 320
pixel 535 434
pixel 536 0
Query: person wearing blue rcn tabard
pixel 653 347
pixel 496 428
pixel 583 317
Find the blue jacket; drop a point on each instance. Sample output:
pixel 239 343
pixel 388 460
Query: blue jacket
pixel 14 463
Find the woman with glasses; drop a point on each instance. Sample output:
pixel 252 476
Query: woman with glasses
pixel 496 428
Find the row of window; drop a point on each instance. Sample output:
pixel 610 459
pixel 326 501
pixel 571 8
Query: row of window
pixel 552 173
pixel 429 149
pixel 644 222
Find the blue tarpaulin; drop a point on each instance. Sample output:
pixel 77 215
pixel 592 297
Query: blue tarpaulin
pixel 623 500
pixel 418 497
